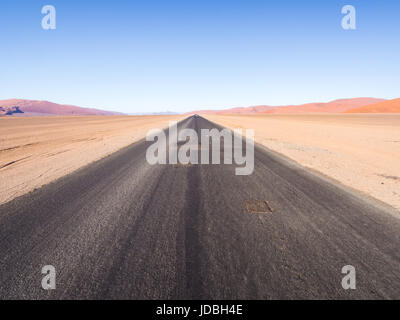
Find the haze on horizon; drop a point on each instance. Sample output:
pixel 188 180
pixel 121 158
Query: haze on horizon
pixel 136 56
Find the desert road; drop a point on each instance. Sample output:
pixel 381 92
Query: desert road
pixel 120 228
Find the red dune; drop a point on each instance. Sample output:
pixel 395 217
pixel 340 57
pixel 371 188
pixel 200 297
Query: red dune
pixel 390 106
pixel 35 107
pixel 336 106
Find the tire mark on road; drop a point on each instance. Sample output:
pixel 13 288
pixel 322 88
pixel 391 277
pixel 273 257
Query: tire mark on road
pixel 192 224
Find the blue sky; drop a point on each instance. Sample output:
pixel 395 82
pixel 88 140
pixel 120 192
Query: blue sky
pixel 145 56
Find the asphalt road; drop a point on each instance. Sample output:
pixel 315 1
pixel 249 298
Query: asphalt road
pixel 121 228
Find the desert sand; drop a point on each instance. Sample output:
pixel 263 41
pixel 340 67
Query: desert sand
pixel 361 151
pixel 37 150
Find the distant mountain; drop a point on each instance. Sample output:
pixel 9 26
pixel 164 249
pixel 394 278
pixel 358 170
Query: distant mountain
pixel 238 110
pixel 36 107
pixel 336 106
pixel 389 106
pixel 252 109
pixel 165 113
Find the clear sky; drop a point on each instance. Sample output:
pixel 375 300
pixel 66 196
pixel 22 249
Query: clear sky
pixel 145 56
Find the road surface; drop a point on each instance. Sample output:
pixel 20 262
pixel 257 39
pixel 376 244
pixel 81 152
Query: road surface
pixel 122 229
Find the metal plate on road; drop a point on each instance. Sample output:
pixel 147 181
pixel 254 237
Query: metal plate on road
pixel 257 206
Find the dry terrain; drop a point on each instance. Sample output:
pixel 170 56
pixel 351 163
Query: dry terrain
pixel 37 150
pixel 359 150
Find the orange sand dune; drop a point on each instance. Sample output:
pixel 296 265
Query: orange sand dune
pixel 390 106
pixel 36 107
pixel 336 106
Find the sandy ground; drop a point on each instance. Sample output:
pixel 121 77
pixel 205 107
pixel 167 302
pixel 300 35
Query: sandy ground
pixel 37 150
pixel 361 151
